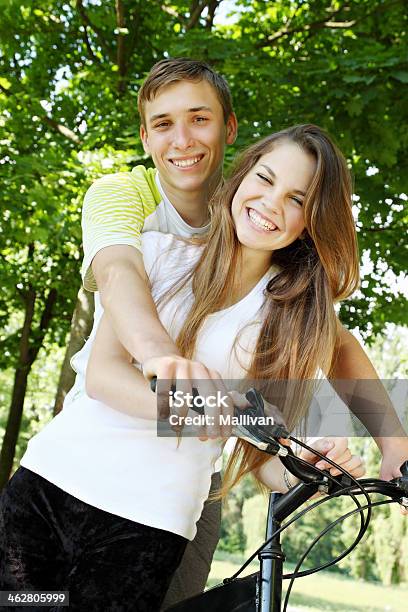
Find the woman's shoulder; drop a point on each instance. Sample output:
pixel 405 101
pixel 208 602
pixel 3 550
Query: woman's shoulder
pixel 154 239
pixel 158 242
pixel 167 249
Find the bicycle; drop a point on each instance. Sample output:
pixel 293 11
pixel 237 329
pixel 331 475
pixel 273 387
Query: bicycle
pixel 262 591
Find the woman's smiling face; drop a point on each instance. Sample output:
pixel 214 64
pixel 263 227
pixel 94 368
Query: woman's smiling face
pixel 267 207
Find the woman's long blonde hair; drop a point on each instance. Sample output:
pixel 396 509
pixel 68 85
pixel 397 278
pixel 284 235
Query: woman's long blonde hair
pixel 299 332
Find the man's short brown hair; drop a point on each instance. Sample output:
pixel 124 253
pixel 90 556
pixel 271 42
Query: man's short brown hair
pixel 169 71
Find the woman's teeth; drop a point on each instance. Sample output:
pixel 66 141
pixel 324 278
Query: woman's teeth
pixel 260 221
pixel 185 163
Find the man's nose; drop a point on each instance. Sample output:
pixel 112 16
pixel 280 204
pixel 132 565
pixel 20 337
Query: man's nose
pixel 182 137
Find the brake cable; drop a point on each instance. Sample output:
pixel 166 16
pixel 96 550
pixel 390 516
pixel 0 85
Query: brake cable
pixel 364 522
pixel 310 508
pixel 333 524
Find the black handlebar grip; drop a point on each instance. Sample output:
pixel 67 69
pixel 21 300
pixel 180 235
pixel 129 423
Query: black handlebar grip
pixel 404 469
pixel 153 384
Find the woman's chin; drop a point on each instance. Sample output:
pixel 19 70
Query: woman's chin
pixel 254 246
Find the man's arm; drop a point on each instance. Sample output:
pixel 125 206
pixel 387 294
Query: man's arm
pixel 112 379
pixel 128 303
pixel 131 313
pixel 114 211
pixel 369 401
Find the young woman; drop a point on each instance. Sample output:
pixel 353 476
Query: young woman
pixel 102 506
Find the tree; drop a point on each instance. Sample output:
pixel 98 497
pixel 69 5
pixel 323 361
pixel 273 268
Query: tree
pixel 234 532
pixel 81 327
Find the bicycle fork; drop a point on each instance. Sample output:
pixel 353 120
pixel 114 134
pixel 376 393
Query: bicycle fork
pixel 271 560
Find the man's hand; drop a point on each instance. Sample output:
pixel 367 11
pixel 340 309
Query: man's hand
pixel 337 450
pixel 191 378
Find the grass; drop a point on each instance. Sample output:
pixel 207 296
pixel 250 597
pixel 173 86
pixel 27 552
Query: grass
pixel 327 591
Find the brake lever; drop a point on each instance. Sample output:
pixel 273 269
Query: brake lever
pixel 402 483
pixel 276 429
pixel 262 437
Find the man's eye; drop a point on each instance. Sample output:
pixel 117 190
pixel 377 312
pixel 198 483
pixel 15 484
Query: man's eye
pixel 163 124
pixel 200 119
pixel 264 178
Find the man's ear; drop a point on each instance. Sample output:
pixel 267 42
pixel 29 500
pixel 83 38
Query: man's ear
pixel 144 139
pixel 231 129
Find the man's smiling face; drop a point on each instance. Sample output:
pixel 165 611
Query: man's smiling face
pixel 185 134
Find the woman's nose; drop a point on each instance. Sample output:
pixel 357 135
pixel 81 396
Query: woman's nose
pixel 274 202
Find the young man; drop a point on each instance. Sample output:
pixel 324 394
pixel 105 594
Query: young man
pixel 186 122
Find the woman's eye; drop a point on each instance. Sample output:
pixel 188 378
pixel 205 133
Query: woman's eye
pixel 264 178
pixel 300 202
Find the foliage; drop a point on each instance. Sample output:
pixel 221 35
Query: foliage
pixel 40 396
pixel 68 101
pixel 254 513
pixel 234 536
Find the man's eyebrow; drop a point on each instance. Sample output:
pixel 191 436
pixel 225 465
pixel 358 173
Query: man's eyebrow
pixel 273 176
pixel 158 116
pixel 195 109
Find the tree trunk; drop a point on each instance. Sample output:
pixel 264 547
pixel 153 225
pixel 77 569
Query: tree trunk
pixel 31 341
pixel 8 448
pixel 81 327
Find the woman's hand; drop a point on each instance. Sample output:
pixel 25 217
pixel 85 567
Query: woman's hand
pixel 394 452
pixel 337 450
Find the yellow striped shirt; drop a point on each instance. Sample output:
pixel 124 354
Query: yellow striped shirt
pixel 115 208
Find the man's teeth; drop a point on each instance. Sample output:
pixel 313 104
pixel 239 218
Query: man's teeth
pixel 186 163
pixel 260 221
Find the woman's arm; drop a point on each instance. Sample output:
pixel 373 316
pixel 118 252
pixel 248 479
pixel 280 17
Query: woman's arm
pixel 271 473
pixel 369 401
pixel 112 379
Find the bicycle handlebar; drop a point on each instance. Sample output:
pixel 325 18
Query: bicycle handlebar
pixel 312 478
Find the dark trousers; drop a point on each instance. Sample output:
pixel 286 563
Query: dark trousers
pixel 50 541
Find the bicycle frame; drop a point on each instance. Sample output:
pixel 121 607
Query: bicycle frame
pixel 271 558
